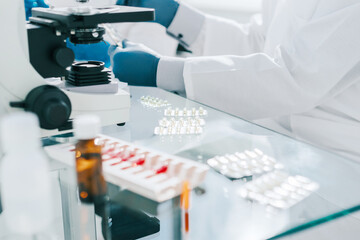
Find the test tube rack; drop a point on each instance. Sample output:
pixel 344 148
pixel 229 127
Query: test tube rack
pixel 149 173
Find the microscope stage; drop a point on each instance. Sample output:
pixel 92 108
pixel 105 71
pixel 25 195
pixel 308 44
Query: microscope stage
pixel 67 17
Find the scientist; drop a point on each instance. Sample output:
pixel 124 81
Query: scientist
pixel 294 68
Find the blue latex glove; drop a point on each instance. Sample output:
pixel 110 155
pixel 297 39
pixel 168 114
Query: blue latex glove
pixel 29 4
pixel 165 10
pixel 87 52
pixel 135 64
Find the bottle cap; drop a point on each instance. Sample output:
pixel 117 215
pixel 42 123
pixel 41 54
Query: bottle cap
pixel 87 127
pixel 19 130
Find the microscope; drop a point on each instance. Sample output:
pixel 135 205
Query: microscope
pixel 35 51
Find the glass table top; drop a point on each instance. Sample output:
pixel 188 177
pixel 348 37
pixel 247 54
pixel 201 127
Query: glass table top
pixel 216 209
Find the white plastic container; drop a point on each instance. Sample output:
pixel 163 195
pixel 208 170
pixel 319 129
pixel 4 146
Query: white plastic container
pixel 24 176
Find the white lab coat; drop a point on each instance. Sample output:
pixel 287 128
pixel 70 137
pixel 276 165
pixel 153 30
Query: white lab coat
pixel 297 65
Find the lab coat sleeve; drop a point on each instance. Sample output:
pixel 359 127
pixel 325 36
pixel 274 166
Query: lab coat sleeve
pixel 169 74
pixel 295 77
pixel 207 35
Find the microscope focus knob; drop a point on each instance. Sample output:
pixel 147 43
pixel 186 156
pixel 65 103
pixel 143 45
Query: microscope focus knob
pixel 55 113
pixel 50 104
pixel 64 57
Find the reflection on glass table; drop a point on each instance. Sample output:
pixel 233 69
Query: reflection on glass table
pixel 216 210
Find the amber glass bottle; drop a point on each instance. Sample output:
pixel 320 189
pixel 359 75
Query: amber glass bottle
pixel 91 182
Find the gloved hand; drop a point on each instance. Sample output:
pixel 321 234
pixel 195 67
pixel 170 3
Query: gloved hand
pixel 29 4
pixel 87 52
pixel 165 10
pixel 135 64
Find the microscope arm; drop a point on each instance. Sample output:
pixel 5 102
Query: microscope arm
pixel 21 86
pixel 17 76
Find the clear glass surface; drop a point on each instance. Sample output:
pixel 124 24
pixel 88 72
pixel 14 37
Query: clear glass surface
pixel 216 210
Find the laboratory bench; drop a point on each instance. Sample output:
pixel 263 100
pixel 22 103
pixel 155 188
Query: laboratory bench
pixel 217 211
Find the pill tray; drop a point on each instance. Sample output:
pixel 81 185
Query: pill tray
pixel 244 164
pixel 154 102
pixel 278 189
pixel 182 126
pixel 152 174
pixel 176 112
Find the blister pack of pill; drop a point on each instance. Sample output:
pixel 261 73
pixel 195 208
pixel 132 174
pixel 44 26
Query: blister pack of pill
pixel 193 112
pixel 154 102
pixel 278 189
pixel 244 164
pixel 182 122
pixel 170 131
pixel 181 126
pixel 152 174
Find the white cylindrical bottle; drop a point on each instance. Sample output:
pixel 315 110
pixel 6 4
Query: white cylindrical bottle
pixel 25 178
